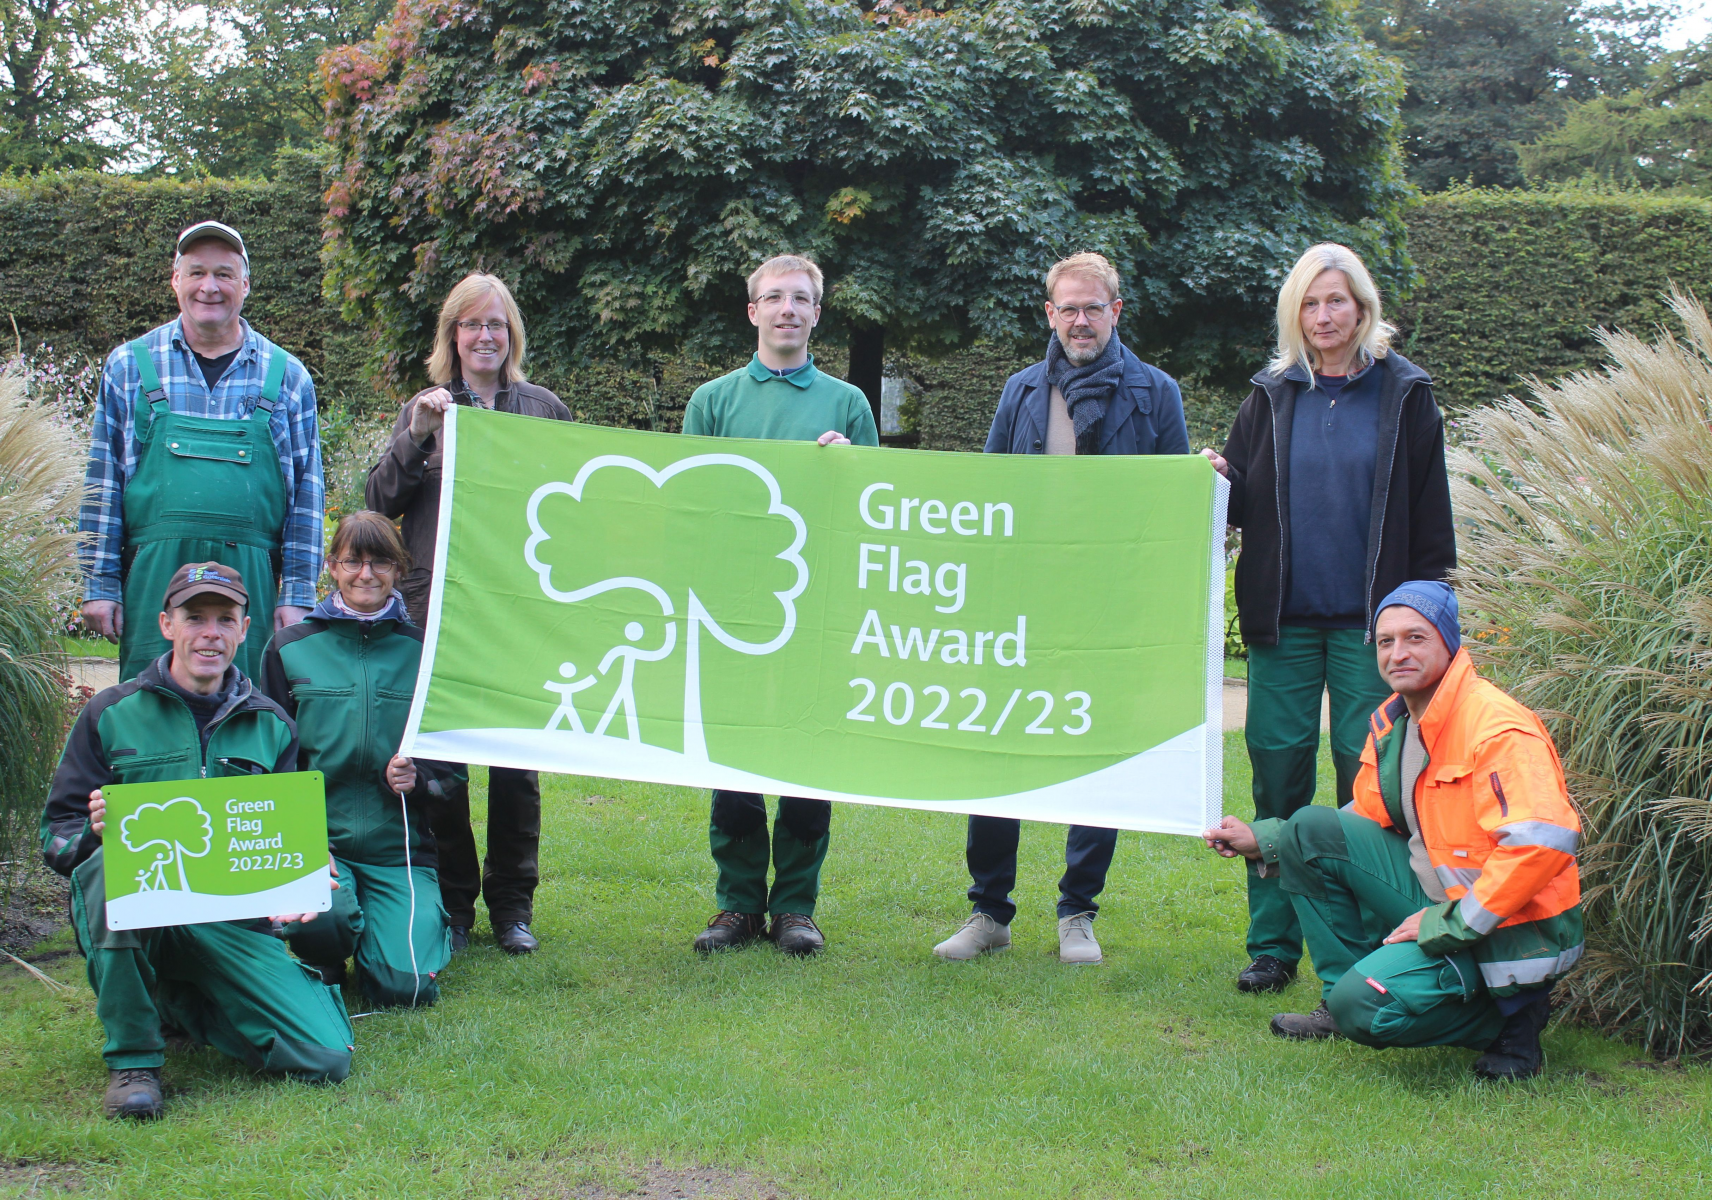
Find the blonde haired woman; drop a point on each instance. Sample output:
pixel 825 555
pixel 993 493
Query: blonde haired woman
pixel 477 360
pixel 1337 472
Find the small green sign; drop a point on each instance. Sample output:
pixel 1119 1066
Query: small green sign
pixel 188 851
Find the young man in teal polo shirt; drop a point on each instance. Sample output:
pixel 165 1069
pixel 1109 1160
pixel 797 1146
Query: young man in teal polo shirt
pixel 780 394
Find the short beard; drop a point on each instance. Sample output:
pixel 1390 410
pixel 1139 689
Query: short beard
pixel 1081 358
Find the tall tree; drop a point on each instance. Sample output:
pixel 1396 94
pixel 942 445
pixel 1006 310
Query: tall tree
pixel 222 94
pixel 55 81
pixel 1487 75
pixel 627 162
pixel 1656 136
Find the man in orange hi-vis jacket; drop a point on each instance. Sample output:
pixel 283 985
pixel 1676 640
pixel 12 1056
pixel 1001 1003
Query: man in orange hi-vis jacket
pixel 1460 840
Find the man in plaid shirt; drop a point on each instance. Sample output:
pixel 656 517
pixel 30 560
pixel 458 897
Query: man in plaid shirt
pixel 191 420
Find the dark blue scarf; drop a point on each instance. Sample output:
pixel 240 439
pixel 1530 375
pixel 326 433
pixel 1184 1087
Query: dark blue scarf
pixel 1086 390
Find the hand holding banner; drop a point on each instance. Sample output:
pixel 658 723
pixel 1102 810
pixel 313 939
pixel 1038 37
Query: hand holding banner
pixel 1032 637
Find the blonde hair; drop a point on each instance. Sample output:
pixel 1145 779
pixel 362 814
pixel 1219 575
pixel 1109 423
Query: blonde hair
pixel 1372 333
pixel 1088 265
pixel 785 264
pixel 470 291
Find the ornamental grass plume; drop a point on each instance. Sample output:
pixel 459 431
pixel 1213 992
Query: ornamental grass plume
pixel 1585 538
pixel 41 477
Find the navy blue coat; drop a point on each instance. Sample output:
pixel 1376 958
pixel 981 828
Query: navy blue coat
pixel 1145 417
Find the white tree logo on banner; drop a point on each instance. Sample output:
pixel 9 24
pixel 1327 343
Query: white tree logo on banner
pixel 181 827
pixel 696 616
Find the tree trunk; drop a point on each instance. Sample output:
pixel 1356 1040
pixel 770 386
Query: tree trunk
pixel 867 362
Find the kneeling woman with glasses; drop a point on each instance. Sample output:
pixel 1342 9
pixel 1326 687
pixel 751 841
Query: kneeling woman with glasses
pixel 477 360
pixel 346 674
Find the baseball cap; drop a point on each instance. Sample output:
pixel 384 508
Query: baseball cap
pixel 194 579
pixel 216 230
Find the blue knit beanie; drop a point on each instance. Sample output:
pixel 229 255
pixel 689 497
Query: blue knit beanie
pixel 1434 601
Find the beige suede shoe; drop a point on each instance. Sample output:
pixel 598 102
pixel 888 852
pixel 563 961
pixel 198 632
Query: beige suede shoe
pixel 980 935
pixel 1076 944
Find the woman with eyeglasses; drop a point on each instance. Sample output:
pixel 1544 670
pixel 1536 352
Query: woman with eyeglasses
pixel 346 674
pixel 477 360
pixel 1337 479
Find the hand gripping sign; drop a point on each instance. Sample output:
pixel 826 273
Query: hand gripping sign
pixel 1019 636
pixel 190 851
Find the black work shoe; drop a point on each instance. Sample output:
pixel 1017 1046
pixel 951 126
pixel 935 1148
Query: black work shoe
pixel 1306 1027
pixel 460 937
pixel 1265 974
pixel 133 1092
pixel 334 974
pixel 796 934
pixel 514 937
pixel 1516 1053
pixel 728 931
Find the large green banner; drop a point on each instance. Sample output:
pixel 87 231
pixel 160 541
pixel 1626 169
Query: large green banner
pixel 1025 636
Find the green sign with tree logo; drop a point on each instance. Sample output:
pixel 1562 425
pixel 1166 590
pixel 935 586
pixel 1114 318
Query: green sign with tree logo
pixel 187 851
pixel 1014 635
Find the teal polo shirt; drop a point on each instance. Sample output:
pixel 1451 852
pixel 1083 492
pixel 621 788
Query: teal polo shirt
pixel 752 402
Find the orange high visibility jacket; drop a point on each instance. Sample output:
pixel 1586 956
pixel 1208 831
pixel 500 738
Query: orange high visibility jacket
pixel 1499 829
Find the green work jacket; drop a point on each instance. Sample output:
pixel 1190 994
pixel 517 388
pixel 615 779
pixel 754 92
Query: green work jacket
pixel 348 683
pixel 140 731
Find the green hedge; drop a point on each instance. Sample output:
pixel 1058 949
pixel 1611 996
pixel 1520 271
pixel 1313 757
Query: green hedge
pixel 1510 283
pixel 1513 283
pixel 86 256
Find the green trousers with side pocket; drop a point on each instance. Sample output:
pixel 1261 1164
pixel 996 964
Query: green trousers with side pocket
pixel 1350 883
pixel 225 984
pixel 1283 735
pixel 397 958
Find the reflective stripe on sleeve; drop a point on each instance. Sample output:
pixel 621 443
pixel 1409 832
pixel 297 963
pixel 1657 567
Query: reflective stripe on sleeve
pixel 1524 971
pixel 1457 876
pixel 1538 833
pixel 1476 915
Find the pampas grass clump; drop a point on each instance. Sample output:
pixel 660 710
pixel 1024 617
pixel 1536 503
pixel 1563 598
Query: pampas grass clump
pixel 1585 538
pixel 41 477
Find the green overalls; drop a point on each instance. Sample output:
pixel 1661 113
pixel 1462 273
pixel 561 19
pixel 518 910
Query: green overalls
pixel 206 489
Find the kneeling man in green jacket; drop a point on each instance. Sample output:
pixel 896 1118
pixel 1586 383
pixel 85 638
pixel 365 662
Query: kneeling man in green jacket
pixel 230 984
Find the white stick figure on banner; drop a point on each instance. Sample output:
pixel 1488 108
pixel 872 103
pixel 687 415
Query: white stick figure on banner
pixel 567 710
pixel 625 695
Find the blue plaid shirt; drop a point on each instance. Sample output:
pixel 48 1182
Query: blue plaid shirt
pixel 113 452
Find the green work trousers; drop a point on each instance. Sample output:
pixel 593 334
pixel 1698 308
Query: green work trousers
pixel 398 953
pixel 1283 735
pixel 737 835
pixel 1351 884
pixel 225 984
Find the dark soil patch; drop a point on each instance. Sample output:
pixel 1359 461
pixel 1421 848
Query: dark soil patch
pixel 36 907
pixel 38 1178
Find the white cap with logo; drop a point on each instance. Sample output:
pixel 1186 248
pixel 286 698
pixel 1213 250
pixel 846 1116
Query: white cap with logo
pixel 213 229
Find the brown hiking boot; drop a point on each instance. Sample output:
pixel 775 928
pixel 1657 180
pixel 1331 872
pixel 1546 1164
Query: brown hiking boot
pixel 796 934
pixel 729 931
pixel 1305 1027
pixel 133 1092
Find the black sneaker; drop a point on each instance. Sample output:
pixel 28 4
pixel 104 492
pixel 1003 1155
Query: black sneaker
pixel 1306 1027
pixel 134 1093
pixel 1515 1053
pixel 729 931
pixel 1265 974
pixel 460 937
pixel 796 934
pixel 514 937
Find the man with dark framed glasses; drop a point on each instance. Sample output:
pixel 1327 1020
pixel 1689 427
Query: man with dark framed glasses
pixel 1091 395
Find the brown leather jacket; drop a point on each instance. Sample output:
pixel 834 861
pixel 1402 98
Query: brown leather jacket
pixel 406 481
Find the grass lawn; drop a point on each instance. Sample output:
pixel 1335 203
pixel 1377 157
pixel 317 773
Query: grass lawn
pixel 88 647
pixel 875 1071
